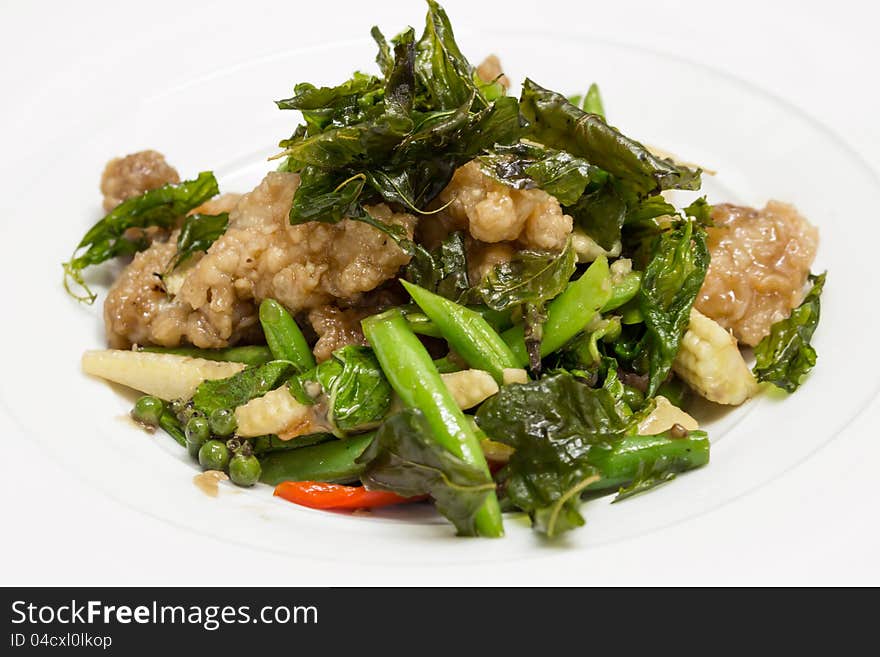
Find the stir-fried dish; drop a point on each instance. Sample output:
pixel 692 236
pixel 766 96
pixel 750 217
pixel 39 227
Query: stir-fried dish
pixel 446 294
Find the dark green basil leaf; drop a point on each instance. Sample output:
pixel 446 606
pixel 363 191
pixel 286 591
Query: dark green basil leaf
pixel 241 387
pixel 571 440
pixel 445 272
pixel 160 207
pixel 359 394
pixel 441 67
pixel 650 207
pixel 198 233
pixel 529 280
pixel 400 83
pixel 350 145
pixel 524 166
pixel 310 97
pixel 539 416
pixel 559 124
pixel 670 284
pixel 553 424
pixel 321 196
pixel 601 212
pixel 531 277
pixel 384 58
pixel 785 356
pixel 701 211
pixel 405 459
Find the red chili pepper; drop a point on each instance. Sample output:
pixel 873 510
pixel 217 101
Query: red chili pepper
pixel 321 495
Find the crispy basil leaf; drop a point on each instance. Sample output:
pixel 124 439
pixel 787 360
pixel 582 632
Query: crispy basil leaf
pixel 400 82
pixel 384 59
pixel 397 139
pixel 405 459
pixel 701 211
pixel 198 233
pixel 670 284
pixel 785 356
pixel 359 394
pixel 559 124
pixel 321 196
pixel 445 271
pixel 529 280
pixel 545 414
pixel 423 164
pixel 452 267
pixel 553 425
pixel 601 212
pixel 441 67
pixel 241 387
pixel 531 277
pixel 499 123
pixel 160 207
pixel 350 145
pixel 526 166
pixel 344 104
pixel 571 440
pixel 650 208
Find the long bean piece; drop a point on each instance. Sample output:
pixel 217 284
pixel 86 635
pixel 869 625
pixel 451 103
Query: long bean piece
pixel 661 454
pixel 466 331
pixel 421 324
pixel 171 425
pixel 623 290
pixel 333 462
pixel 285 340
pixel 567 314
pixel 412 374
pixel 263 445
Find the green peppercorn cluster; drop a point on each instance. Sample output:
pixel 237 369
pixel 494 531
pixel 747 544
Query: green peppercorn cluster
pixel 209 439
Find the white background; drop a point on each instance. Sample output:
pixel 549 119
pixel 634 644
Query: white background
pixel 820 56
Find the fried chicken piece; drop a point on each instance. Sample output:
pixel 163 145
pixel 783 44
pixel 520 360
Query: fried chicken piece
pixel 132 175
pixel 260 256
pixel 760 262
pixel 494 212
pixel 336 328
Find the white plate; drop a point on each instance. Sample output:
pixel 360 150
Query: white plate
pixel 226 121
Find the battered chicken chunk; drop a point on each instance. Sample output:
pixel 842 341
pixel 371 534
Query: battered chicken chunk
pixel 260 256
pixel 494 212
pixel 337 328
pixel 760 262
pixel 132 175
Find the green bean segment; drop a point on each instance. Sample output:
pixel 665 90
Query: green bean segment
pixel 466 331
pixel 285 340
pixel 623 291
pixel 333 461
pixel 412 374
pixel 567 314
pixel 621 464
pixel 171 425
